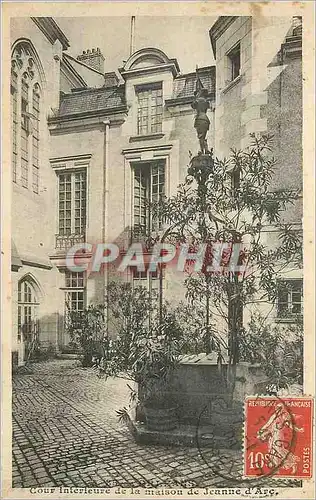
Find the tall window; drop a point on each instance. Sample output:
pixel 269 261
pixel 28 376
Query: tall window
pixel 14 118
pixel 35 139
pixel 234 62
pixel 25 99
pixel 74 292
pixel 24 135
pixel 27 310
pixel 149 187
pixel 150 281
pixel 290 299
pixel 147 279
pixel 72 203
pixel 149 118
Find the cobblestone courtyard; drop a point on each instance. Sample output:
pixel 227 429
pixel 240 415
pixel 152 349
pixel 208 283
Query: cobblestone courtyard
pixel 66 433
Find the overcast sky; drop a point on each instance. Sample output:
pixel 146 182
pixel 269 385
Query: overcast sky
pixel 184 38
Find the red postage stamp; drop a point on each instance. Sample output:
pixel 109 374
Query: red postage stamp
pixel 278 437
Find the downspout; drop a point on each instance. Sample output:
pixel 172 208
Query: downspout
pixel 106 124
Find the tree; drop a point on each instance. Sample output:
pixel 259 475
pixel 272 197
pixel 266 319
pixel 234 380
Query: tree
pixel 232 201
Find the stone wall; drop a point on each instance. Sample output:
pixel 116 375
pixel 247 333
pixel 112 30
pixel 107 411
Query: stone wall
pixel 230 120
pixel 265 98
pixel 199 391
pixel 33 214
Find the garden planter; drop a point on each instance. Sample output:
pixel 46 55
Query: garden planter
pixel 161 419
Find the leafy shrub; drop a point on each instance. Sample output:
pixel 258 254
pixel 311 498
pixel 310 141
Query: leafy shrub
pixel 146 349
pixel 278 349
pixel 194 336
pixel 44 354
pixel 87 329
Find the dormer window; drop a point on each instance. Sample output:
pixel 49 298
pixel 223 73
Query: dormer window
pixel 149 109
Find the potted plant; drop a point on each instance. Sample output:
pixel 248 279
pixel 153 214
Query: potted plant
pixel 145 351
pixel 158 358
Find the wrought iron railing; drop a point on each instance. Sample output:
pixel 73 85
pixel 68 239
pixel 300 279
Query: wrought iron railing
pixel 64 242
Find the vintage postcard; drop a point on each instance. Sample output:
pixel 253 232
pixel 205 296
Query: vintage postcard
pixel 158 250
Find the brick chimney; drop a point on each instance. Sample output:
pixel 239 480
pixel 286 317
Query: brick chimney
pixel 93 58
pixel 110 79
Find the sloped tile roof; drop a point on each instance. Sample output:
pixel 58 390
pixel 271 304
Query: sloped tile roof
pixel 91 100
pixel 106 98
pixel 184 85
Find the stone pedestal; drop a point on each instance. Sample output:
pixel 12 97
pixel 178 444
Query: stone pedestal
pixel 202 161
pixel 201 166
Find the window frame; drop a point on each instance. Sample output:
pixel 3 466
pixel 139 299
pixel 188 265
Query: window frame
pixel 28 306
pixel 27 72
pixel 289 283
pixel 150 280
pixel 24 134
pixel 231 55
pixel 150 127
pixel 36 135
pixel 14 122
pixel 74 283
pixel 146 282
pixel 73 200
pixel 147 168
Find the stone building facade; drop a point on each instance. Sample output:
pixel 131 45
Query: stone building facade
pixel 89 149
pixel 259 90
pixel 37 48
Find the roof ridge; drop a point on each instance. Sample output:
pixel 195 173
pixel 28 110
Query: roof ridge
pixel 85 90
pixel 212 67
pixel 85 65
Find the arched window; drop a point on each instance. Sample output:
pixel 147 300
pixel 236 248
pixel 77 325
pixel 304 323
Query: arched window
pixel 14 120
pixel 35 137
pixel 25 116
pixel 28 303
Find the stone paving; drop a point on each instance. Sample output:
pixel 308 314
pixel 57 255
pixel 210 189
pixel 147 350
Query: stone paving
pixel 66 433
